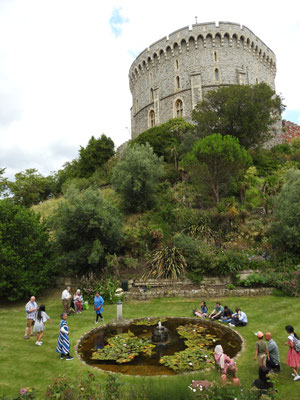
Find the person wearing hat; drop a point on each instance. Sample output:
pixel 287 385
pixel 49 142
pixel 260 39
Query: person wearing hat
pixel 274 361
pixel 261 352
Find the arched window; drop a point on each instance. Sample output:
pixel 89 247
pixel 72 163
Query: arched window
pixel 151 95
pixel 177 82
pixel 215 56
pixel 179 108
pixel 176 64
pixel 151 119
pixel 217 75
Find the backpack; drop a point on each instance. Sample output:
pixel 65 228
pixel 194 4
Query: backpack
pixel 297 345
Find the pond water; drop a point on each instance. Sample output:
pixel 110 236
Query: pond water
pixel 150 366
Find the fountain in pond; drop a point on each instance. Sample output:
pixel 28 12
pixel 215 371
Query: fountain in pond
pixel 160 334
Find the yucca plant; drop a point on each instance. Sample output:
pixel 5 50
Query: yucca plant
pixel 167 262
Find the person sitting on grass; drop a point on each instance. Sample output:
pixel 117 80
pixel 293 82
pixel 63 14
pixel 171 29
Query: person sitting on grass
pixel 217 312
pixel 227 315
pixel 239 318
pixel 261 351
pixel 203 310
pixel 63 342
pixel 263 382
pixel 230 376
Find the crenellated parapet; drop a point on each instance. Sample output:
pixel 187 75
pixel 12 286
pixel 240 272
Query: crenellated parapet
pixel 184 65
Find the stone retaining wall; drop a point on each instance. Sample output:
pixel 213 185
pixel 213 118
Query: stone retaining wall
pixel 195 291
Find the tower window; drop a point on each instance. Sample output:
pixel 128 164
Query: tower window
pixel 177 82
pixel 179 108
pixel 152 119
pixel 176 64
pixel 217 75
pixel 215 56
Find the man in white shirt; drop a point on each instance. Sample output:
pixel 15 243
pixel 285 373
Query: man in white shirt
pixel 65 298
pixel 31 309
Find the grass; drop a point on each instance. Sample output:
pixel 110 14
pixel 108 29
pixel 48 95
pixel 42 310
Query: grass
pixel 24 364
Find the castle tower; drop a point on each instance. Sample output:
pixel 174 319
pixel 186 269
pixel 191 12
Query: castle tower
pixel 170 77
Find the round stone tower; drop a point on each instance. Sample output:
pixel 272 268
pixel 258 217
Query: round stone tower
pixel 170 77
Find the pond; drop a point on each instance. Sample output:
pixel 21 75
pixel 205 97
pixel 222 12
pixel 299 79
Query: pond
pixel 148 362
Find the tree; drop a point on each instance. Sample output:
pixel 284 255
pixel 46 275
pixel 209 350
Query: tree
pixel 25 263
pixel 86 228
pixel 30 187
pixel 285 229
pixel 220 159
pixel 246 112
pixel 3 181
pixel 165 137
pixel 136 175
pixel 95 155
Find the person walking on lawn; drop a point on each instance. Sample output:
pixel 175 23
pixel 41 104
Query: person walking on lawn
pixel 63 342
pixel 98 306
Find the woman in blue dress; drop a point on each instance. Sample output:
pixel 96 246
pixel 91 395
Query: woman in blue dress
pixel 63 343
pixel 98 303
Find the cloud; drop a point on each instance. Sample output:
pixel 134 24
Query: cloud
pixel 116 21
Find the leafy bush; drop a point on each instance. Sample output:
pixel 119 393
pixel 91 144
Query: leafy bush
pixel 291 283
pixel 86 227
pixel 25 263
pixel 256 280
pixel 285 229
pixel 106 286
pixel 135 177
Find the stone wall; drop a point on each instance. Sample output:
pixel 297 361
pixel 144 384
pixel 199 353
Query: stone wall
pixel 189 62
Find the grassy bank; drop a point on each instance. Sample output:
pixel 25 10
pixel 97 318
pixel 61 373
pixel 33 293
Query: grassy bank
pixel 24 364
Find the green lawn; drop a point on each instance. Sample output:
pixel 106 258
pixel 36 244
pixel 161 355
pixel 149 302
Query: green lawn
pixel 24 364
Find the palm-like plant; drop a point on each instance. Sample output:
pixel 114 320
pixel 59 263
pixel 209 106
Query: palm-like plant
pixel 167 262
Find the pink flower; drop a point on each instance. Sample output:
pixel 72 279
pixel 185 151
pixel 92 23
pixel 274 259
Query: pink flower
pixel 23 391
pixel 124 344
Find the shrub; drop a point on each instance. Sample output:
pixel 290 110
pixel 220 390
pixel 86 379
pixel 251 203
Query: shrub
pixel 86 227
pixel 90 284
pixel 25 263
pixel 135 177
pixel 167 263
pixel 285 229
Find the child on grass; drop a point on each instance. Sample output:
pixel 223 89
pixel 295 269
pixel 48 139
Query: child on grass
pixel 261 351
pixel 39 324
pixel 63 343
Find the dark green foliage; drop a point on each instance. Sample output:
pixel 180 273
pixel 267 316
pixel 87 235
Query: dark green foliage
pixel 218 160
pixel 135 177
pixel 165 138
pixel 30 187
pixel 94 155
pixel 285 230
pixel 86 228
pixel 25 266
pixel 3 181
pixel 246 112
pixel 264 161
